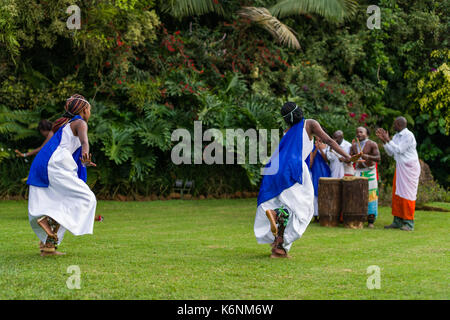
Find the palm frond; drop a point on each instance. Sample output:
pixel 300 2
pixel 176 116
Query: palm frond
pixel 186 8
pixel 333 10
pixel 262 17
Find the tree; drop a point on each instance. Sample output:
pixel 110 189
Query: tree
pixel 331 10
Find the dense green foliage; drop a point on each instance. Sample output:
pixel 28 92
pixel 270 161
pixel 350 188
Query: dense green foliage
pixel 206 250
pixel 152 66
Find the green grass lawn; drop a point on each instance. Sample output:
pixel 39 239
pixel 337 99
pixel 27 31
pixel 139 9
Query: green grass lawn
pixel 207 250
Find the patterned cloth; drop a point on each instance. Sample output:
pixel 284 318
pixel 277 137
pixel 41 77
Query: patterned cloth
pixel 371 174
pixel 282 216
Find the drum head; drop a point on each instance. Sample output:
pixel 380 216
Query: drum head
pixel 352 178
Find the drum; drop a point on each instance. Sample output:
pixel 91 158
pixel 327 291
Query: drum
pixel 329 201
pixel 355 201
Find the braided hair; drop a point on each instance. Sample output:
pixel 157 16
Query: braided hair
pixel 74 105
pixel 291 113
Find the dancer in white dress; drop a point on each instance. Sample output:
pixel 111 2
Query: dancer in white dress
pixel 286 198
pixel 59 198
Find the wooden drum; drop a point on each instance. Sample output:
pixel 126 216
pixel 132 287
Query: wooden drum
pixel 355 201
pixel 329 201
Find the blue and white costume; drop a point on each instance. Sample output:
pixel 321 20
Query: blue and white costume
pixel 291 187
pixel 58 186
pixel 318 170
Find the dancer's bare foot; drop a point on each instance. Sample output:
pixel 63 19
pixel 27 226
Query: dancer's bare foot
pixel 48 249
pixel 272 216
pixel 279 251
pixel 54 253
pixel 276 255
pixel 43 223
pixel 277 248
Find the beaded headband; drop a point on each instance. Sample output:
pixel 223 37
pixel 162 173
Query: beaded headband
pixel 291 113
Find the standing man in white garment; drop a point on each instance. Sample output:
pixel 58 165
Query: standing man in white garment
pixel 407 171
pixel 339 168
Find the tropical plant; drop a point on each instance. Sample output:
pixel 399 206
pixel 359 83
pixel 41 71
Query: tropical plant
pixel 331 10
pixel 150 67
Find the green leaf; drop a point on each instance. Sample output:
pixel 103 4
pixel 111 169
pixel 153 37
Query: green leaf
pixel 333 10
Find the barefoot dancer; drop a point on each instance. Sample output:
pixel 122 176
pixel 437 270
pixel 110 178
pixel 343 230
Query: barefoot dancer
pixel 59 198
pixel 286 198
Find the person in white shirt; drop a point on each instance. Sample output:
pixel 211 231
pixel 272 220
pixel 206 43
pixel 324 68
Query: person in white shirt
pixel 339 168
pixel 407 171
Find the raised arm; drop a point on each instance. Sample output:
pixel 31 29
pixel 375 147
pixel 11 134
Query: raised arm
pixel 401 148
pixel 81 129
pixel 388 149
pixel 35 151
pixel 315 129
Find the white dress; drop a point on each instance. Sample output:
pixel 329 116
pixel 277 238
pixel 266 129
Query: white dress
pixel 68 200
pixel 298 199
pixel 339 169
pixel 403 148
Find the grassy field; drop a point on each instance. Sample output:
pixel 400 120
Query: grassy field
pixel 207 250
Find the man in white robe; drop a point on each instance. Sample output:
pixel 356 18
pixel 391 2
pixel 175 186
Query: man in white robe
pixel 338 168
pixel 407 171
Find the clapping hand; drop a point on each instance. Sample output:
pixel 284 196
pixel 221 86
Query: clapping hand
pixel 87 160
pixel 383 135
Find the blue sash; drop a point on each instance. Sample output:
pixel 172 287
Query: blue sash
pixel 289 157
pixel 319 169
pixel 38 175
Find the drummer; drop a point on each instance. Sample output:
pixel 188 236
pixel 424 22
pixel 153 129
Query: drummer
pixel 338 168
pixel 366 166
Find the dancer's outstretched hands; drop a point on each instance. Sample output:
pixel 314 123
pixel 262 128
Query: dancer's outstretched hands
pixel 19 154
pixel 353 158
pixel 87 160
pixel 345 159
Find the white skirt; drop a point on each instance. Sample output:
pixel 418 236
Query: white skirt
pixel 68 200
pixel 299 200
